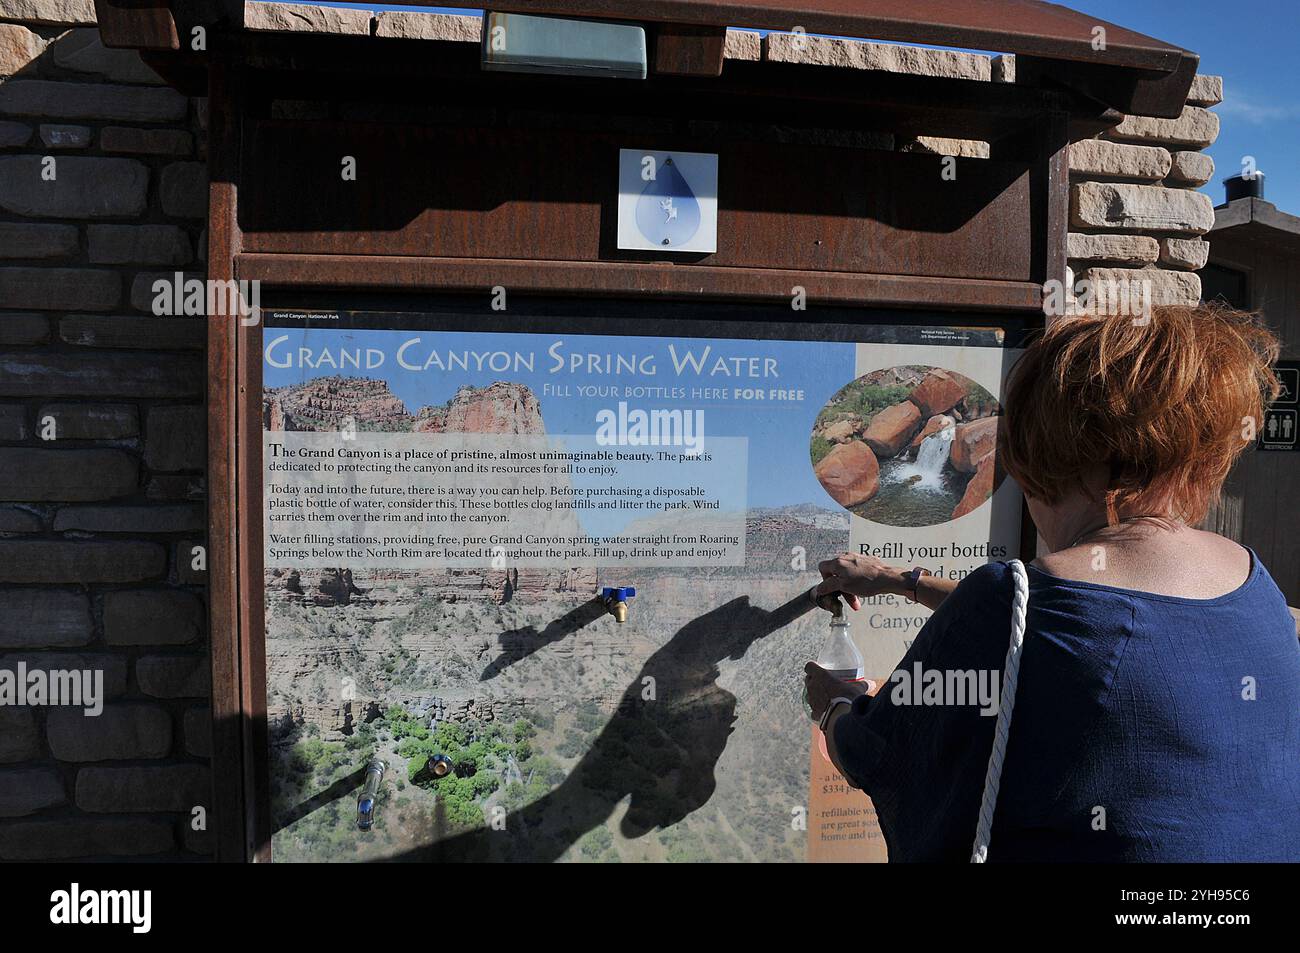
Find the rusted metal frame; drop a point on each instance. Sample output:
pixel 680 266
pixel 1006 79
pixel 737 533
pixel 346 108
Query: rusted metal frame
pixel 163 25
pixel 1045 145
pixel 228 791
pixel 495 187
pixel 1139 92
pixel 183 71
pixel 357 68
pixel 1130 72
pixel 137 24
pixel 1055 147
pixel 240 755
pixel 371 59
pixel 1027 107
pixel 1023 26
pixel 244 642
pixel 649 281
pixel 685 50
pixel 356 273
pixel 252 592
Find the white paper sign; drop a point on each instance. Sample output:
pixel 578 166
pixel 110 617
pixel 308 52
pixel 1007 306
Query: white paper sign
pixel 667 201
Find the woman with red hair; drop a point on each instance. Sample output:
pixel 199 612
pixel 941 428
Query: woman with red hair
pixel 1157 714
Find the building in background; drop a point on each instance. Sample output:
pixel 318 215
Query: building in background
pixel 1254 264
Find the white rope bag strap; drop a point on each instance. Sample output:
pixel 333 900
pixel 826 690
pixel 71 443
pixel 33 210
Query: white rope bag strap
pixel 1010 675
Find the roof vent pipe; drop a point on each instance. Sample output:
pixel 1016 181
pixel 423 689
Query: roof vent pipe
pixel 1244 186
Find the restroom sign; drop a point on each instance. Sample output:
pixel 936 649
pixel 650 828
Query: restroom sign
pixel 1278 430
pixel 667 201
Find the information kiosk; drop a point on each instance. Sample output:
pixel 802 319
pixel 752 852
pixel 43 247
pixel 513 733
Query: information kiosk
pixel 577 350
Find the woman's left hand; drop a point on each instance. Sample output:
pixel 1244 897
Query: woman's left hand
pixel 822 687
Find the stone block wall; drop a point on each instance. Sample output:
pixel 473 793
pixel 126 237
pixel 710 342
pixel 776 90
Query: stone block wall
pixel 1135 212
pixel 102 444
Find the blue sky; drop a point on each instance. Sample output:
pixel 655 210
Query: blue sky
pixel 1254 47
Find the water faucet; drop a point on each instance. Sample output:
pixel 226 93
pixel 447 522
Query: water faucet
pixel 370 795
pixel 829 601
pixel 438 766
pixel 615 599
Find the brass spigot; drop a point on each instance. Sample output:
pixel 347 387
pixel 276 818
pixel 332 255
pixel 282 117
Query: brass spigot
pixel 615 599
pixel 369 797
pixel 438 766
pixel 829 601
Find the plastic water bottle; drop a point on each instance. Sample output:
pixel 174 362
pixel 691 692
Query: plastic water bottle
pixel 839 655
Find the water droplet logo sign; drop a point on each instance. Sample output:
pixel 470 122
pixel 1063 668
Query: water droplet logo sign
pixel 667 212
pixel 667 201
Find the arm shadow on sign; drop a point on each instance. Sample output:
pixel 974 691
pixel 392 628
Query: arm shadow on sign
pixel 660 748
pixel 344 787
pixel 518 644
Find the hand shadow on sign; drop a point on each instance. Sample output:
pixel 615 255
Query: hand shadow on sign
pixel 662 752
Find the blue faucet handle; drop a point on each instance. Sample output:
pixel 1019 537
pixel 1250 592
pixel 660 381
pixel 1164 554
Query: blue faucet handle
pixel 618 593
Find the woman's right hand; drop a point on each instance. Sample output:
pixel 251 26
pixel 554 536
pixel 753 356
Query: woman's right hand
pixel 856 577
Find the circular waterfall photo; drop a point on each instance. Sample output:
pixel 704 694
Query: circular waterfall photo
pixel 908 446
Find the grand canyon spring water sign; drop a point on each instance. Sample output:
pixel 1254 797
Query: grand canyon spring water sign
pixel 444 507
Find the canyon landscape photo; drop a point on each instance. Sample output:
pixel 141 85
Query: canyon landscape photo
pixel 677 735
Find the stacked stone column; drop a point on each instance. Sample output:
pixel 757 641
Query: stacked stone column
pixel 102 190
pixel 1135 214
